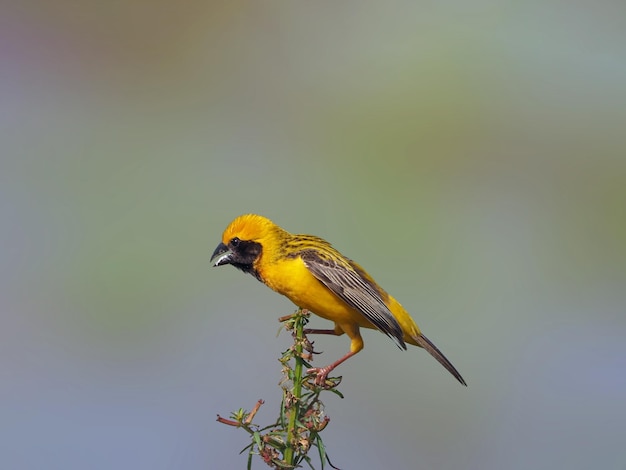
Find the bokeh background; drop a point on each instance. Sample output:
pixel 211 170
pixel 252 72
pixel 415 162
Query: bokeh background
pixel 471 155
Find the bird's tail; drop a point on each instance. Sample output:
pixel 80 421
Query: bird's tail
pixel 425 343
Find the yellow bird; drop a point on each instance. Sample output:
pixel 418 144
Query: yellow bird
pixel 315 276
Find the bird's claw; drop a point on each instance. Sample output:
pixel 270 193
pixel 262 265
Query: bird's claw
pixel 320 374
pixel 321 377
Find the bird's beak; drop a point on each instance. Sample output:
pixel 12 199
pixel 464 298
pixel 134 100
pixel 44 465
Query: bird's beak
pixel 221 255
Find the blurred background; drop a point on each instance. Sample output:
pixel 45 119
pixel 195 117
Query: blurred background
pixel 472 156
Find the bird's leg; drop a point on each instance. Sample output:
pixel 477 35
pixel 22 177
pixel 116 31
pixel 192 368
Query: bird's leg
pixel 337 331
pixel 313 331
pixel 322 372
pixel 356 344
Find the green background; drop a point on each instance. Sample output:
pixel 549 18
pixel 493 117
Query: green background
pixel 470 155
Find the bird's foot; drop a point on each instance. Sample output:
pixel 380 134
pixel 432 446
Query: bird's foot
pixel 321 377
pixel 320 373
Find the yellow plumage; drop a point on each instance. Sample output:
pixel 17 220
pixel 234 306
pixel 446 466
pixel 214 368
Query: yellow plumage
pixel 316 277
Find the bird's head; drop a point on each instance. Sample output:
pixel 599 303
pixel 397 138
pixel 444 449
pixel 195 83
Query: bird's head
pixel 242 242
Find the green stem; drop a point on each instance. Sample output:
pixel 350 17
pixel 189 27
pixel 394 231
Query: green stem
pixel 294 412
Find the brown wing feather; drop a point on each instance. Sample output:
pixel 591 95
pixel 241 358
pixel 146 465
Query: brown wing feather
pixel 354 289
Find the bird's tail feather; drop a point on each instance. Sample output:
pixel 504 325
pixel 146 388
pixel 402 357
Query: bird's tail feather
pixel 425 343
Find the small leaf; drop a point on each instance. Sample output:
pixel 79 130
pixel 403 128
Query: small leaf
pixel 257 439
pixel 249 446
pixel 321 450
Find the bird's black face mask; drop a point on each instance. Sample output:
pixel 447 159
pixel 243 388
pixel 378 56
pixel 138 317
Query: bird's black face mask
pixel 240 253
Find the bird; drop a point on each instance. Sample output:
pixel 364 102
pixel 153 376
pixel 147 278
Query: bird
pixel 315 276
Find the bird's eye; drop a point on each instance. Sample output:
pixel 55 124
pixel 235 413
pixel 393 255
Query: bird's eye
pixel 235 241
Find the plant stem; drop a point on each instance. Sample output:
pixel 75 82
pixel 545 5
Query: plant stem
pixel 294 411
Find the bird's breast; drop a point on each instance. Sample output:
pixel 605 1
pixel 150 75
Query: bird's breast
pixel 291 278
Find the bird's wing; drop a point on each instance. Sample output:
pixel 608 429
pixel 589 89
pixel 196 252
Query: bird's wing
pixel 355 289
